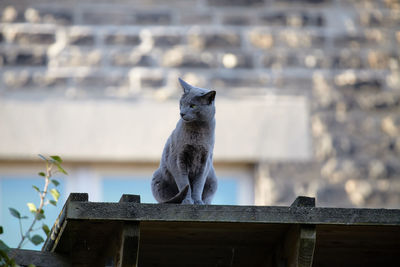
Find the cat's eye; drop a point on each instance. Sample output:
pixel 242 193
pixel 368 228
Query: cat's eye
pixel 192 106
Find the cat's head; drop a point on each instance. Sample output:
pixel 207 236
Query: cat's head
pixel 196 104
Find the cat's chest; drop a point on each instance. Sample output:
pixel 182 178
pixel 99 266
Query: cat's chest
pixel 198 138
pixel 194 157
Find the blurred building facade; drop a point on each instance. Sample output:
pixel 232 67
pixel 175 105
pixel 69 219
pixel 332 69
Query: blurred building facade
pixel 308 92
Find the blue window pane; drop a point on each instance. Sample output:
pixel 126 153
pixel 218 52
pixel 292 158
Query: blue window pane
pixel 227 193
pixel 15 192
pixel 114 187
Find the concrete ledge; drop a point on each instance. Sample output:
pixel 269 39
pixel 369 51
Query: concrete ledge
pixel 247 129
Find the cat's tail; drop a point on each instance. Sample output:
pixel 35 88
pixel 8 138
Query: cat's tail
pixel 178 198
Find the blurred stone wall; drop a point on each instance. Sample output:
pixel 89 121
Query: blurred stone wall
pixel 342 54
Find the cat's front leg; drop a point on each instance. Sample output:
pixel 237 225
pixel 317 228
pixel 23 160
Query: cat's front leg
pixel 182 181
pixel 198 186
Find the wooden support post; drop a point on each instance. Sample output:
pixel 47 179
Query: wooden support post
pixel 297 249
pixel 128 250
pixel 60 223
pixel 127 253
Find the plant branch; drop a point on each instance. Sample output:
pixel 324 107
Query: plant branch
pixel 20 228
pixel 42 202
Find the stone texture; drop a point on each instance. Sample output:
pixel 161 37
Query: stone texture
pixel 236 60
pixel 262 39
pixel 153 17
pixel 34 38
pixel 236 3
pixel 24 58
pixel 10 14
pixel 312 2
pixel 284 18
pixel 190 18
pixel 228 82
pixel 77 57
pixel 56 16
pixel 186 59
pixel 81 39
pixel 122 39
pixel 236 20
pixel 131 59
pixel 108 18
pixel 17 79
pixel 167 40
pixel 214 41
pixel 99 81
pixel 49 81
pixel 153 82
pixel 285 59
pixel 300 39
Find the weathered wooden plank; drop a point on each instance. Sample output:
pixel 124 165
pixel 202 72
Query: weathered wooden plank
pixel 128 250
pixel 302 201
pixel 130 198
pixel 127 254
pixel 25 257
pixel 306 248
pixel 297 247
pixel 214 235
pixel 351 245
pixel 60 223
pixel 220 213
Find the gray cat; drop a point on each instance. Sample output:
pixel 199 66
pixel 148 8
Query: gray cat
pixel 186 174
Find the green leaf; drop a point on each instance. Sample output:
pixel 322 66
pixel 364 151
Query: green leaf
pixel 36 188
pixel 55 182
pixel 31 265
pixel 4 247
pixel 46 229
pixel 56 158
pixel 32 207
pixel 60 169
pixel 15 213
pixel 42 174
pixel 42 157
pixel 54 192
pixel 36 239
pixel 53 202
pixel 40 216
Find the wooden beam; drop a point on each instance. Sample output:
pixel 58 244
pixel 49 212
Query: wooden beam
pixel 297 248
pixel 25 257
pixel 221 213
pixel 56 231
pixel 302 201
pixel 129 198
pixel 127 253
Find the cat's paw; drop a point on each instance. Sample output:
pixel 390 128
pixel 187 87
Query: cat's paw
pixel 199 202
pixel 187 201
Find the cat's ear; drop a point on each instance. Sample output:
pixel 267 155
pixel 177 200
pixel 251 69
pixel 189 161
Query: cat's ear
pixel 209 97
pixel 186 87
